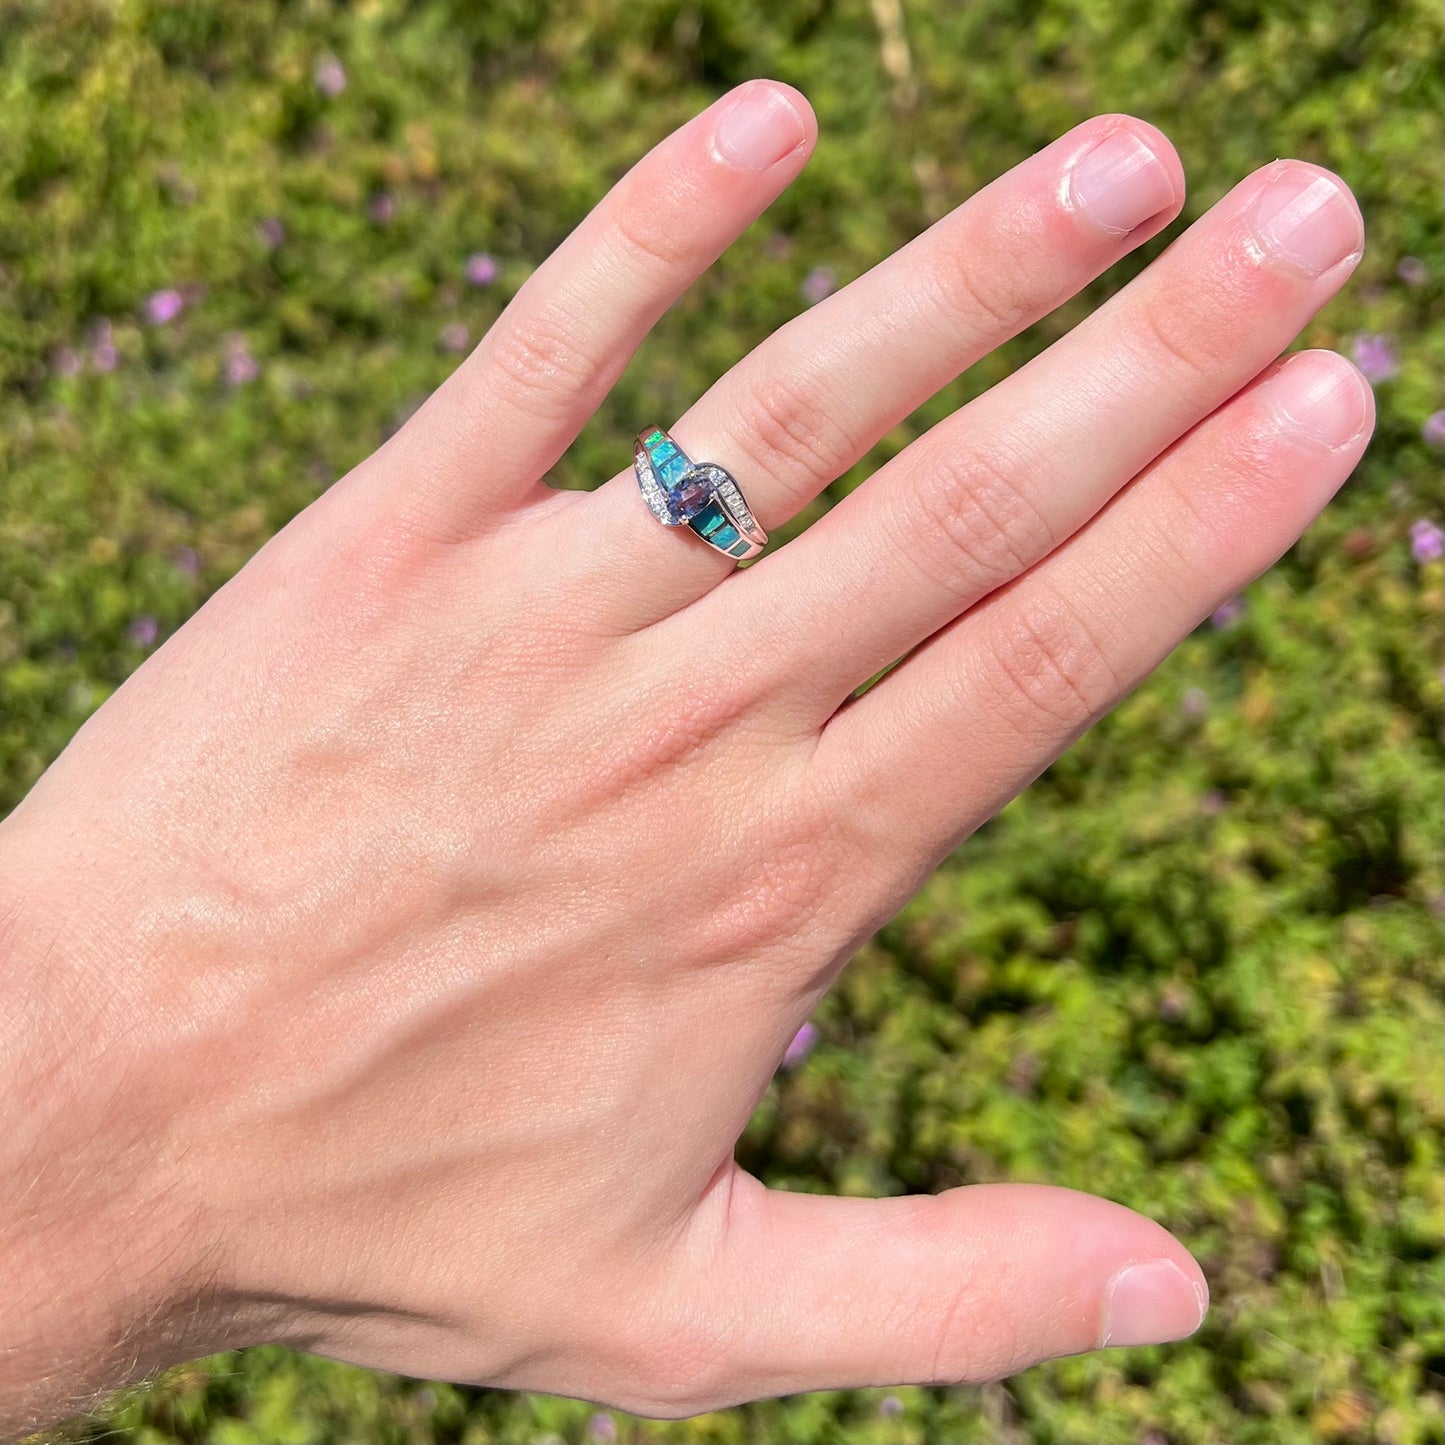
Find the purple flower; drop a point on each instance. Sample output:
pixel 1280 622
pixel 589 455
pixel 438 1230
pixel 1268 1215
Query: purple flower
pixel 103 356
pixel 187 561
pixel 143 631
pixel 239 367
pixel 1227 614
pixel 1374 356
pixel 1412 271
pixel 162 307
pixel 1213 802
pixel 801 1046
pixel 329 76
pixel 455 337
pixel 481 269
pixel 381 208
pixel 67 361
pixel 818 283
pixel 1427 541
pixel 1433 428
pixel 1195 702
pixel 1173 1004
pixel 270 232
pixel 602 1428
pixel 890 1407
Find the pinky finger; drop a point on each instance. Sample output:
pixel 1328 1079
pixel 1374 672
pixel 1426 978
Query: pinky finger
pixel 981 709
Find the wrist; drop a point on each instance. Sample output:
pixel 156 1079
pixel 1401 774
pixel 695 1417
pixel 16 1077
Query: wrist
pixel 104 1258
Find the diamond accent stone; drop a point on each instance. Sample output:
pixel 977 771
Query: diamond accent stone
pixel 653 492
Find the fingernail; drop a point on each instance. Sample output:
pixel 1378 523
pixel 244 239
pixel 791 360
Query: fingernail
pixel 1309 220
pixel 1121 183
pixel 759 130
pixel 1149 1304
pixel 1321 396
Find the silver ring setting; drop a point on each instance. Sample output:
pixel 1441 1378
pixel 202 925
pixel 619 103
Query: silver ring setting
pixel 701 495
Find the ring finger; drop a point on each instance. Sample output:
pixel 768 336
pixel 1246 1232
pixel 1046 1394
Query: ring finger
pixel 816 395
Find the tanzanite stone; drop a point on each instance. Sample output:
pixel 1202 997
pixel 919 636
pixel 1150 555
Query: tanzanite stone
pixel 685 500
pixel 685 493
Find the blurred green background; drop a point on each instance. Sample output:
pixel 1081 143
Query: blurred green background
pixel 1197 968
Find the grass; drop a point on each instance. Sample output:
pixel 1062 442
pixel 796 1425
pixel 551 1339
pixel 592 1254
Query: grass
pixel 1196 968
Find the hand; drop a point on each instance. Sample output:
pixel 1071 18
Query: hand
pixel 394 961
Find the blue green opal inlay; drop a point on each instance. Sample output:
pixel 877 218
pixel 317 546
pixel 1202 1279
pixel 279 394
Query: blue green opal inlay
pixel 708 518
pixel 687 493
pixel 671 471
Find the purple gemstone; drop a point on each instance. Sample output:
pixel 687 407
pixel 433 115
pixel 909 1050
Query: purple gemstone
pixel 688 498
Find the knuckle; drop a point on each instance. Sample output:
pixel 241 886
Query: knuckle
pixel 981 524
pixel 982 286
pixel 965 1348
pixel 1257 453
pixel 674 722
pixel 541 361
pixel 1232 492
pixel 784 889
pixel 976 1346
pixel 969 1333
pixel 788 428
pixel 1179 334
pixel 652 246
pixel 1195 327
pixel 676 1391
pixel 1052 671
pixel 679 1371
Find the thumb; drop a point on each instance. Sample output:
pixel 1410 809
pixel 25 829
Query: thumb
pixel 970 1285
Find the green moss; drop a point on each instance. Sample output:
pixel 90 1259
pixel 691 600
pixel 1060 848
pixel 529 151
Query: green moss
pixel 1197 968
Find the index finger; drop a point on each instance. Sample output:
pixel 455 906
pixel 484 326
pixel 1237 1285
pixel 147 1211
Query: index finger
pixel 486 437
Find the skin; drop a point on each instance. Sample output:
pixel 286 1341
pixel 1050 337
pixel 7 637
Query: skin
pixel 392 964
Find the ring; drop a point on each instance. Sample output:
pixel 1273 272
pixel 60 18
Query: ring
pixel 701 495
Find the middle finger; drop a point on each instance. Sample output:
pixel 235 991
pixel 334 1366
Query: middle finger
pixel 993 489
